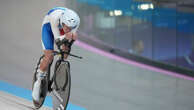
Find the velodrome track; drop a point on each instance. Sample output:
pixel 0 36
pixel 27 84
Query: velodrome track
pixel 100 81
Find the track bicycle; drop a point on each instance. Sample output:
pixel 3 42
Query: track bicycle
pixel 59 84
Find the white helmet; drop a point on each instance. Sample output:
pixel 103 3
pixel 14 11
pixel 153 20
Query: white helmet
pixel 70 18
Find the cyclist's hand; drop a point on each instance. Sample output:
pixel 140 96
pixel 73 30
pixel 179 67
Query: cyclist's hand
pixel 64 48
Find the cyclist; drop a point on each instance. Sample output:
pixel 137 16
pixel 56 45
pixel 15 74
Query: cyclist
pixel 60 23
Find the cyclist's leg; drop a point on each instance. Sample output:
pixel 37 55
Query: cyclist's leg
pixel 47 59
pixel 48 46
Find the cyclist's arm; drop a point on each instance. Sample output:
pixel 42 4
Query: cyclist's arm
pixel 54 21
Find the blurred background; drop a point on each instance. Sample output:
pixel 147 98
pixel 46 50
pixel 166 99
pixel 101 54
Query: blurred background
pixel 160 30
pixel 156 36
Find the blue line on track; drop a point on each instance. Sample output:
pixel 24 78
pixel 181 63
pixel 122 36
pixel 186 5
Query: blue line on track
pixel 26 94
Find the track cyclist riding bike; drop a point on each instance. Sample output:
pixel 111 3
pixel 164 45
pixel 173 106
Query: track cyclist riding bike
pixel 59 24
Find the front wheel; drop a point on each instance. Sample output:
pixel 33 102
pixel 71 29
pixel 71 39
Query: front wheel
pixel 62 85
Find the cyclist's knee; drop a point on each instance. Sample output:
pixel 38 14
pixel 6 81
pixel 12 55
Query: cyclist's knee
pixel 48 55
